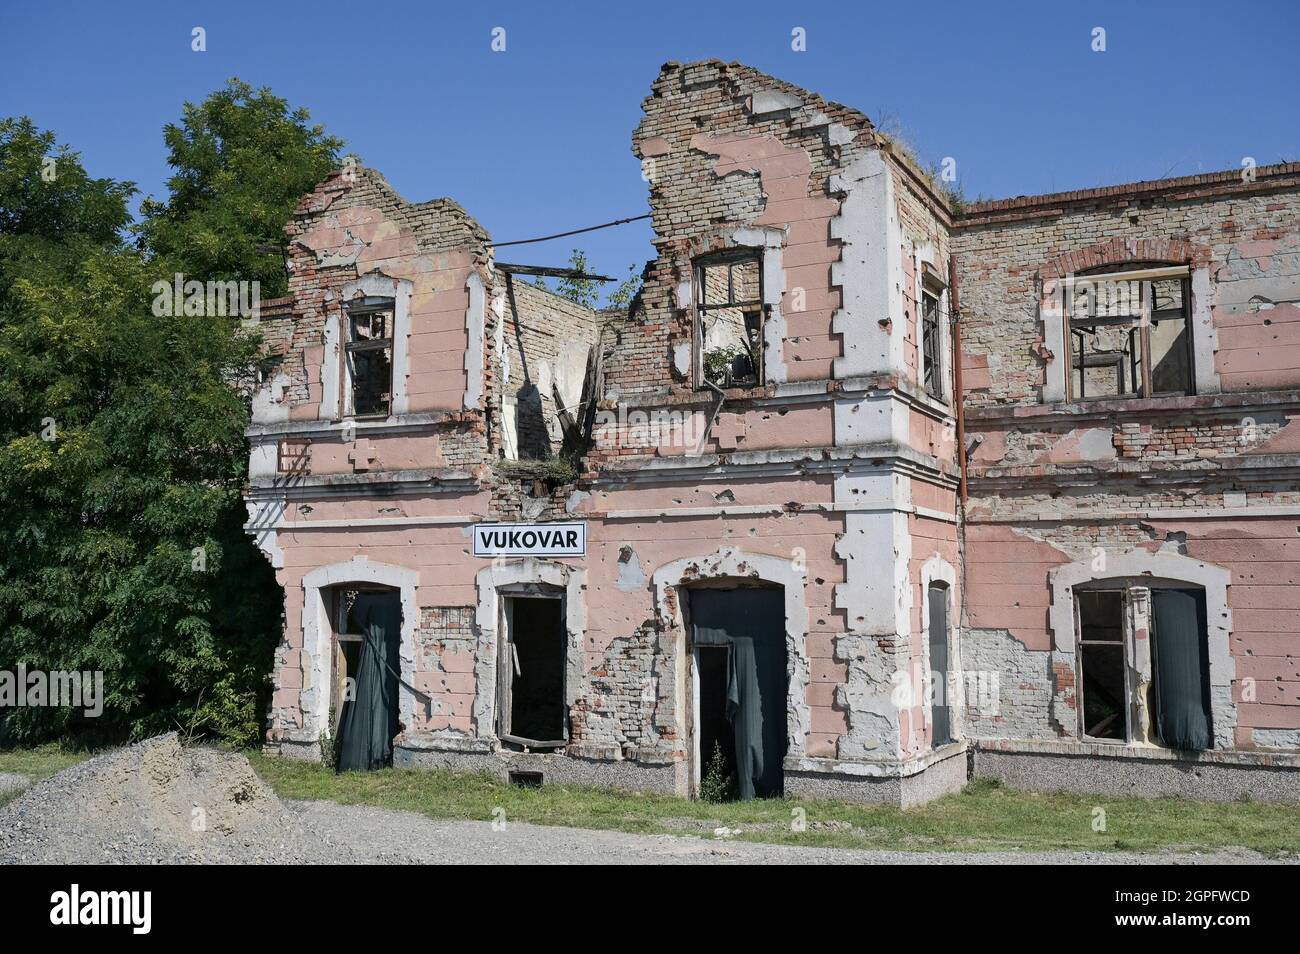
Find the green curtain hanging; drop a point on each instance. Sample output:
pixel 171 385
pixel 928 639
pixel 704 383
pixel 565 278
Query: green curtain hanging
pixel 370 723
pixel 1181 656
pixel 751 624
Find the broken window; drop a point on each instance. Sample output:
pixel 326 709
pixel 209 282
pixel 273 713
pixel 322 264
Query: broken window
pixel 369 356
pixel 1130 333
pixel 729 319
pixel 1121 676
pixel 532 710
pixel 1102 665
pixel 932 342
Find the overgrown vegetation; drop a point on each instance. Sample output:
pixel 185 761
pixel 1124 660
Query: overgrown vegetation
pixel 122 450
pixel 563 469
pixel 985 817
pixel 586 291
pixel 36 763
pixel 719 782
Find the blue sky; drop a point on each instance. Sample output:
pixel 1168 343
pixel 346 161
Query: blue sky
pixel 536 139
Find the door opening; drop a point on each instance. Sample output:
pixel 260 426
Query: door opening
pixel 367 672
pixel 532 704
pixel 717 741
pixel 741 686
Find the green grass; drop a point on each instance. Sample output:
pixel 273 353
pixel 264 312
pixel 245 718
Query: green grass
pixel 985 817
pixel 37 763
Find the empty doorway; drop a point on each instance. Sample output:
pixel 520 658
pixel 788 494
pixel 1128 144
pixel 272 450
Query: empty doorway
pixel 740 689
pixel 531 707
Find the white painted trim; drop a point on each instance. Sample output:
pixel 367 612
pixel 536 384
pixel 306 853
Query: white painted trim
pixel 771 242
pixel 1205 338
pixel 317 633
pixel 475 317
pixel 876 536
pixel 671 579
pixel 869 271
pixel 938 570
pixel 331 388
pixel 378 285
pixel 505 572
pixel 1144 568
pixel 265 520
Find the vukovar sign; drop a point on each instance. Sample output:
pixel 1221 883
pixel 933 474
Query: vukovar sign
pixel 530 539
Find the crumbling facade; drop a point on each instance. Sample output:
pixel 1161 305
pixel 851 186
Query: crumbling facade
pixel 980 459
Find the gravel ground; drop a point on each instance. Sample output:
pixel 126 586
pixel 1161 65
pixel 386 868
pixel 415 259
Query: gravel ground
pixel 160 803
pixel 405 837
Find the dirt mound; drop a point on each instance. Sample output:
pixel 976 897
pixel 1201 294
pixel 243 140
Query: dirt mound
pixel 157 801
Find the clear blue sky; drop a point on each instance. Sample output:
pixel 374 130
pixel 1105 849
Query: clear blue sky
pixel 536 139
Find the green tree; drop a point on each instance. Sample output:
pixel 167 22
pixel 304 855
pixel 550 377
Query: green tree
pixel 242 159
pixel 586 291
pixel 627 289
pixel 583 291
pixel 121 461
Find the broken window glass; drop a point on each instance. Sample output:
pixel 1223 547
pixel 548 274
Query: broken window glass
pixel 369 357
pixel 1102 662
pixel 931 345
pixel 1129 334
pixel 729 311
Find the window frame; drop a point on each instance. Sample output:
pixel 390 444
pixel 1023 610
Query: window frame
pixel 731 258
pixel 932 290
pixel 1126 662
pixel 357 308
pixel 1139 358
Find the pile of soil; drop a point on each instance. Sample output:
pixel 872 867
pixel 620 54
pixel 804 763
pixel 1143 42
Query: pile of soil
pixel 158 802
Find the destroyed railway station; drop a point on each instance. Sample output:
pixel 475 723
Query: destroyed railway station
pixel 867 493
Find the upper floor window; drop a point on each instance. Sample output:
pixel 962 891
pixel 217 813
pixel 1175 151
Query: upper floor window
pixel 729 318
pixel 932 341
pixel 1130 333
pixel 368 356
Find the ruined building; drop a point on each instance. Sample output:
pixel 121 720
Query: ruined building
pixel 865 492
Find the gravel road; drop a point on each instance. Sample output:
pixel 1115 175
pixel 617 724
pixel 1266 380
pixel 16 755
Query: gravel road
pixel 404 837
pixel 161 803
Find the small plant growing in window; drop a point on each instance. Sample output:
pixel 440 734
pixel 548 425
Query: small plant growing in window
pixel 718 783
pixel 720 365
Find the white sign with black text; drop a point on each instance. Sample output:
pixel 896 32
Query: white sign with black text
pixel 530 539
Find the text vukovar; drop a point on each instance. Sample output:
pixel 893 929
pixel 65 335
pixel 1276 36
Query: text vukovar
pixel 513 539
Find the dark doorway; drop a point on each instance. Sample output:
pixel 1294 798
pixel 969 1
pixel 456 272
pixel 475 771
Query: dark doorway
pixel 738 637
pixel 717 738
pixel 534 706
pixel 940 714
pixel 367 664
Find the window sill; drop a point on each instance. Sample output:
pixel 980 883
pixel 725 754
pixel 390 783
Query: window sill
pixel 1109 408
